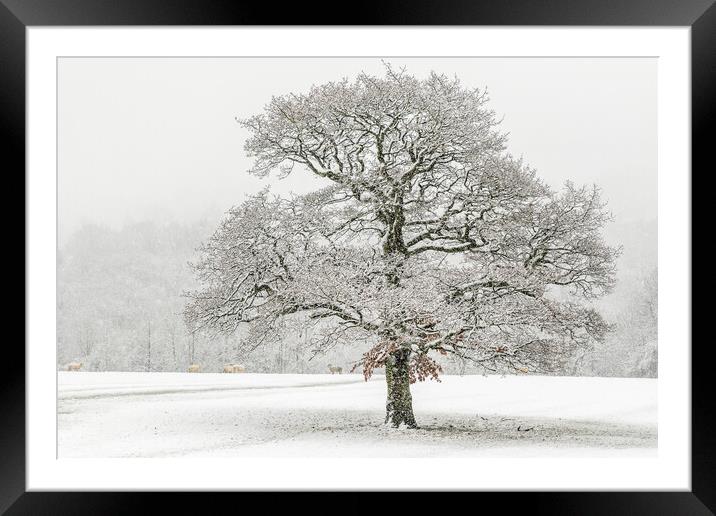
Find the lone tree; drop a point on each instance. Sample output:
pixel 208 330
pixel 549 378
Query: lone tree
pixel 426 236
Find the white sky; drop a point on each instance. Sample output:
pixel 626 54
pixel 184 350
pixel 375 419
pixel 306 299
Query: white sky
pixel 156 138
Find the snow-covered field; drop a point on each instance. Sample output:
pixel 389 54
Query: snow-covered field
pixel 225 415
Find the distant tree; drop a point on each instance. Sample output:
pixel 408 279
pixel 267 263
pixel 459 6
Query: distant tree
pixel 647 315
pixel 630 350
pixel 149 346
pixel 428 237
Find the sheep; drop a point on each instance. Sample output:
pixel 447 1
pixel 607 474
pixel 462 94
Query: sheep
pixel 335 369
pixel 233 368
pixel 194 368
pixel 74 366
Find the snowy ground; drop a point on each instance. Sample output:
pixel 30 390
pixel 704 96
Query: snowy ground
pixel 230 415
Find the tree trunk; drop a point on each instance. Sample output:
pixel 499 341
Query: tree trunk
pixel 399 407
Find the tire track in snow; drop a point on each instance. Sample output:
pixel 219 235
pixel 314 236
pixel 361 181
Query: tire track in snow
pixel 84 394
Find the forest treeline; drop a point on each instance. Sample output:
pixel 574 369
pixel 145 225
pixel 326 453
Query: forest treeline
pixel 120 308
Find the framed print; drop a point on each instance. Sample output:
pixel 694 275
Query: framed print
pixel 443 252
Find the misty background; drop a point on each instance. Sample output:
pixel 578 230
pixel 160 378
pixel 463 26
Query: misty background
pixel 150 157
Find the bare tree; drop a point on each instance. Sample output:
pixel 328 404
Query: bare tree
pixel 149 346
pixel 631 349
pixel 427 237
pixel 172 339
pixel 192 347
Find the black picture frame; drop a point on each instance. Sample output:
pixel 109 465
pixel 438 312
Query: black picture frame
pixel 16 15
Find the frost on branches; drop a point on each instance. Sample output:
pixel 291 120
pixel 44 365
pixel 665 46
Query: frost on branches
pixel 428 237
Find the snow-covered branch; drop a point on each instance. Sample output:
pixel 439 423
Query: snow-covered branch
pixel 429 238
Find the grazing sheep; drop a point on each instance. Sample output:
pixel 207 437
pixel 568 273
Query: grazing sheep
pixel 194 368
pixel 228 368
pixel 335 369
pixel 238 368
pixel 74 366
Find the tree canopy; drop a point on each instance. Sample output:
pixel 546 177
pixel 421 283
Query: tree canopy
pixel 427 236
